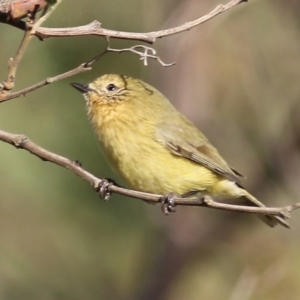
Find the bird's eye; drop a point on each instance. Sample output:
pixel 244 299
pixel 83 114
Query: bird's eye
pixel 111 87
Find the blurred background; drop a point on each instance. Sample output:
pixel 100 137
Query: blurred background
pixel 236 77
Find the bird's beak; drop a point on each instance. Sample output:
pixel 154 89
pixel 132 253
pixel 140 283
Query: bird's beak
pixel 81 88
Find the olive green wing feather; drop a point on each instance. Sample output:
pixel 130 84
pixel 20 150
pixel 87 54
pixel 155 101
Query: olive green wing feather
pixel 185 140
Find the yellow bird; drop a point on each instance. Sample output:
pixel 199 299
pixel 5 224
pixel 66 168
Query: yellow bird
pixel 154 147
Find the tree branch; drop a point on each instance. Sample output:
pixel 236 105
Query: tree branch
pixel 84 67
pixel 30 26
pixel 143 51
pixel 94 28
pixel 22 142
pixel 13 63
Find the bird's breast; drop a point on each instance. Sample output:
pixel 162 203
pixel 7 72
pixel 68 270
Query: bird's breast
pixel 129 143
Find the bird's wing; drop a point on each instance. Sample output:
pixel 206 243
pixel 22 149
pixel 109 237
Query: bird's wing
pixel 187 141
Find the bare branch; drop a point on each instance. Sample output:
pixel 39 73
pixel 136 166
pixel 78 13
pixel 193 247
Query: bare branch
pixel 87 66
pixel 189 25
pixel 21 141
pixel 13 63
pixel 80 69
pixel 47 11
pixel 31 26
pixel 94 28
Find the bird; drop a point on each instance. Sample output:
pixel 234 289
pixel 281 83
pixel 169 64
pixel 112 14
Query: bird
pixel 156 149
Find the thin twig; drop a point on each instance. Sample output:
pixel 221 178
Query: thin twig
pixel 21 141
pixel 30 28
pixel 48 10
pixel 189 25
pixel 143 51
pixel 94 28
pixel 13 63
pixel 84 67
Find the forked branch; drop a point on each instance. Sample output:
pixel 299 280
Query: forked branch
pixel 144 52
pixel 95 28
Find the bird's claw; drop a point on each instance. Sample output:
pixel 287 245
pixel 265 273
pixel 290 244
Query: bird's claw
pixel 168 204
pixel 104 188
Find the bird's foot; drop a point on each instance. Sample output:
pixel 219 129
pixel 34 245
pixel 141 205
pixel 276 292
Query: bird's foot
pixel 104 188
pixel 168 203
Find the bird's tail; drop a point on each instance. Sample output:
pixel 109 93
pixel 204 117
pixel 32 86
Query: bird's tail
pixel 268 219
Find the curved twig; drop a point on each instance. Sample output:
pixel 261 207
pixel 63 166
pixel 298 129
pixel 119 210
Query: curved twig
pixel 95 28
